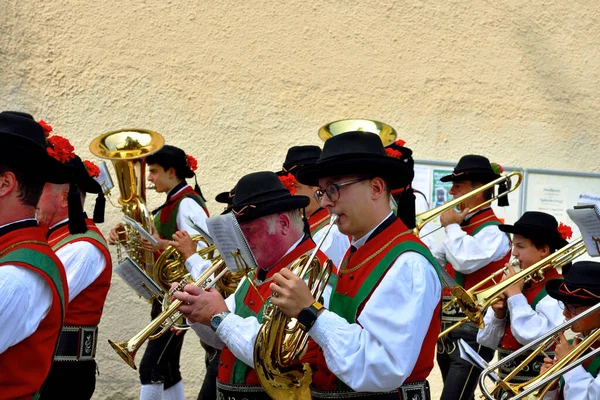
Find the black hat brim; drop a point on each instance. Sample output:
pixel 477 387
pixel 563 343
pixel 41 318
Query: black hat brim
pixel 397 173
pixel 270 207
pixel 553 239
pixel 470 176
pixel 553 290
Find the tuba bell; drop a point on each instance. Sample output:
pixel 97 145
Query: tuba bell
pixel 128 149
pixel 386 132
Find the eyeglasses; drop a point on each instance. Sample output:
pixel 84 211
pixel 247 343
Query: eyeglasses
pixel 333 190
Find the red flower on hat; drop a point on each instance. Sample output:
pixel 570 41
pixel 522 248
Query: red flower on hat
pixel 191 162
pixel 400 142
pixel 92 169
pixel 46 127
pixel 393 153
pixel 565 231
pixel 497 168
pixel 289 181
pixel 60 149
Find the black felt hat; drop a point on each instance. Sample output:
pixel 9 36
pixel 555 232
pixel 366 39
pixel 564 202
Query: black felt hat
pixel 261 193
pixel 298 156
pixel 472 168
pixel 359 153
pixel 537 225
pixel 580 286
pixel 225 197
pixel 23 137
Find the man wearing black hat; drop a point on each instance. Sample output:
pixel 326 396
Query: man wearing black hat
pixel 82 249
pixel 473 249
pixel 168 168
pixel 378 336
pixel 33 285
pixel 271 221
pixel 335 244
pixel 578 292
pixel 531 312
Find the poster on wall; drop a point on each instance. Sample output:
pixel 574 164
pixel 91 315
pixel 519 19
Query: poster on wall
pixel 440 193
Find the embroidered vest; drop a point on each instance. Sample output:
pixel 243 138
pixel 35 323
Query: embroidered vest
pixel 475 224
pixel 165 220
pixel 86 308
pixel 359 277
pixel 25 365
pixel 318 221
pixel 249 303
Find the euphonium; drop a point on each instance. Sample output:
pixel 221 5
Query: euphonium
pixel 537 387
pixel 127 149
pixel 386 133
pixel 474 302
pixel 168 317
pixel 280 341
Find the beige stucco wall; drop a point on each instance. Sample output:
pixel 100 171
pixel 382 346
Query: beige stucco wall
pixel 237 83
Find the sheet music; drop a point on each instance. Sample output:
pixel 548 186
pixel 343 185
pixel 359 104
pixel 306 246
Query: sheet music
pixel 587 218
pixel 104 178
pixel 134 224
pixel 471 356
pixel 230 241
pixel 198 228
pixel 137 279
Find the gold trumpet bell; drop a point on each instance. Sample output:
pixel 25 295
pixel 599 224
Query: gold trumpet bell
pixel 386 132
pixel 126 355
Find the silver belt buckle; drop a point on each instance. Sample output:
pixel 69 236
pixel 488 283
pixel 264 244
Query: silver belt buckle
pixel 414 391
pixel 88 339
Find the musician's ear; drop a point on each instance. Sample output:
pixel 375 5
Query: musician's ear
pixel 8 183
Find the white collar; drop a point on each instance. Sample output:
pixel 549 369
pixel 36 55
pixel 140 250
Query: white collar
pixel 60 222
pixel 16 222
pixel 359 242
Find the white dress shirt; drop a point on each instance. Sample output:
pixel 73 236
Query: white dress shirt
pixel 25 300
pixel 526 324
pixel 335 245
pixel 468 253
pixel 579 385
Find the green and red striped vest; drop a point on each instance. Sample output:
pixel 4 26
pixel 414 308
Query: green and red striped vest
pixel 165 220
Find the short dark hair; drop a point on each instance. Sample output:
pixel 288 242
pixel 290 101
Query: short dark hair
pixel 171 157
pixel 30 185
pixel 488 194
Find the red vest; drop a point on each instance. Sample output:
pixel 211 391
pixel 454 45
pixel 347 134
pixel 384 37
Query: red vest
pixel 318 220
pixel 479 221
pixel 532 292
pixel 233 371
pixel 378 255
pixel 86 308
pixel 25 365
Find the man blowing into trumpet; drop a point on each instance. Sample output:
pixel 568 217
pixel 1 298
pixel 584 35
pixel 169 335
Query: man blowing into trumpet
pixel 525 311
pixel 271 221
pixel 578 292
pixel 472 250
pixel 378 335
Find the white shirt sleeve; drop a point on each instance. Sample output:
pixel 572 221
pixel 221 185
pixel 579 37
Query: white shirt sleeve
pixel 527 324
pixel 83 263
pixel 25 300
pixel 467 253
pixel 439 252
pixel 188 208
pixel 580 385
pixel 493 331
pixel 380 351
pixel 335 245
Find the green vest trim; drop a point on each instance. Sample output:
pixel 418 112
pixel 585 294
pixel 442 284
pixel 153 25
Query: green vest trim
pixel 39 261
pixel 167 229
pixel 89 234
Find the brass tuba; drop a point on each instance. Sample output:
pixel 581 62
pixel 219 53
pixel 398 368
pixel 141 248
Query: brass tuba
pixel 280 341
pixel 128 149
pixel 386 132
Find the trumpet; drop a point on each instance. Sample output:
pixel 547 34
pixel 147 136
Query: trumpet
pixel 425 217
pixel 168 317
pixel 474 302
pixel 537 388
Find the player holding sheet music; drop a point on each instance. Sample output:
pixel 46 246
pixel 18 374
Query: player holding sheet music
pixel 168 169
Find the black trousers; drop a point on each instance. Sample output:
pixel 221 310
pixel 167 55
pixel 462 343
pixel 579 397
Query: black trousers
pixel 211 360
pixel 160 363
pixel 460 377
pixel 70 380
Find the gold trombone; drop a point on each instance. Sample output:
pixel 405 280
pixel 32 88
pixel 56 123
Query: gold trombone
pixel 474 302
pixel 537 387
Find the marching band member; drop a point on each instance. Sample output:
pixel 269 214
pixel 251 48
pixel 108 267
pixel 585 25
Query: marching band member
pixel 378 336
pixel 33 285
pixel 168 168
pixel 525 312
pixel 271 221
pixel 578 291
pixel 82 249
pixel 336 244
pixel 472 250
